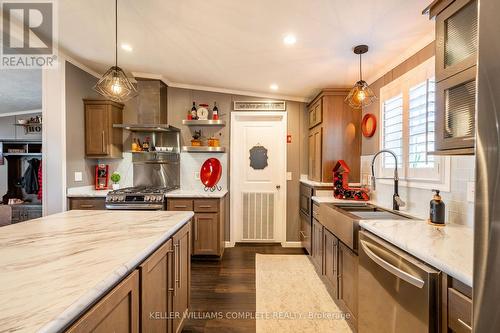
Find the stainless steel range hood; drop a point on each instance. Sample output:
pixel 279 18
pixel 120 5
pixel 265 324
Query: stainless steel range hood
pixel 150 108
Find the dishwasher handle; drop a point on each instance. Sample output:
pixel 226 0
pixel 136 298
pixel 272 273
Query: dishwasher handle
pixel 416 281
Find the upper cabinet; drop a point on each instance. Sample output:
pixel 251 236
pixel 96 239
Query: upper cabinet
pixel 456 59
pixel 334 134
pixel 102 140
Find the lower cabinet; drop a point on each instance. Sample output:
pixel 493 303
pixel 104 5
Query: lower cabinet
pixel 331 270
pixel 118 311
pixel 317 245
pixel 153 298
pixel 208 223
pixel 305 232
pixel 348 281
pixel 87 203
pixel 456 307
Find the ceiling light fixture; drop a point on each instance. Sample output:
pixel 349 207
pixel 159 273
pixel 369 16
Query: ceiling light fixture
pixel 289 39
pixel 274 86
pixel 361 95
pixel 114 84
pixel 127 47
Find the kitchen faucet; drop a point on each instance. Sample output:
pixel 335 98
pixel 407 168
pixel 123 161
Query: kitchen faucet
pixel 396 200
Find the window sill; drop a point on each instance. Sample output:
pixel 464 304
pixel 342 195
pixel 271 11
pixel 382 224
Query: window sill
pixel 422 184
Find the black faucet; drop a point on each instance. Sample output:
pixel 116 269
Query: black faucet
pixel 396 200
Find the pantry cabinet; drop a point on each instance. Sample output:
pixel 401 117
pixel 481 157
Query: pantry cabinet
pixel 102 140
pixel 334 135
pixel 456 60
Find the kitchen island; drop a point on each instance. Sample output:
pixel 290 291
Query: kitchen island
pixel 54 269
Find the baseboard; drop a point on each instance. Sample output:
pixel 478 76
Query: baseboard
pixel 291 244
pixel 229 244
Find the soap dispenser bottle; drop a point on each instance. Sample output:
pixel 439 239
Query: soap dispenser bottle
pixel 437 211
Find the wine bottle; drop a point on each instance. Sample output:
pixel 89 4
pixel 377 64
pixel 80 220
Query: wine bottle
pixel 215 112
pixel 194 113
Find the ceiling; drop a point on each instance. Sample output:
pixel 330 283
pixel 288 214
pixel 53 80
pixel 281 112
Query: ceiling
pixel 238 45
pixel 20 90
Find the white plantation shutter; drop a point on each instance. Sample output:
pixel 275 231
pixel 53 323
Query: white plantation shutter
pixel 421 125
pixel 393 131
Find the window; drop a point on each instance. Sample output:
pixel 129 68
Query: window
pixel 408 125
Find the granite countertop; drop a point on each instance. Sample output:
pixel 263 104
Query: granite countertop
pixel 53 268
pixel 448 248
pixel 195 194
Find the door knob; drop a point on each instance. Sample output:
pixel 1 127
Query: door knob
pixel 278 187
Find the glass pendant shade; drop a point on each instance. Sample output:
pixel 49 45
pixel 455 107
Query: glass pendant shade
pixel 360 96
pixel 115 85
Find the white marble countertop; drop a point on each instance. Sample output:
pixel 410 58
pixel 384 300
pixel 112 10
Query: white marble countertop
pixel 90 192
pixel 331 199
pixel 448 248
pixel 195 194
pixel 315 183
pixel 52 269
pixel 85 192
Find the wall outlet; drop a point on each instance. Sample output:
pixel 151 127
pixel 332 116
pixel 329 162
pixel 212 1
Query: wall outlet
pixel 288 176
pixel 78 176
pixel 471 191
pixel 197 175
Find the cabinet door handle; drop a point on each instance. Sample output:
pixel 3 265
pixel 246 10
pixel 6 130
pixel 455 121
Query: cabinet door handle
pixel 86 206
pixel 180 264
pixel 196 229
pixel 180 206
pixel 464 324
pixel 176 255
pixel 303 234
pixel 171 286
pixel 204 206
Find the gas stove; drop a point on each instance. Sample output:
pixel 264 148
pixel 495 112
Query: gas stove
pixel 138 198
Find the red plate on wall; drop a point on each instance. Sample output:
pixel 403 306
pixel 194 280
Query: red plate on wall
pixel 369 125
pixel 210 172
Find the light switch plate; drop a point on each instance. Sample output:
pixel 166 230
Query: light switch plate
pixel 288 176
pixel 78 176
pixel 471 189
pixel 197 175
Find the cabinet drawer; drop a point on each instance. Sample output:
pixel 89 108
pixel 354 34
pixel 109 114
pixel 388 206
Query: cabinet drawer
pixel 180 204
pixel 206 206
pixel 459 312
pixel 315 209
pixel 87 203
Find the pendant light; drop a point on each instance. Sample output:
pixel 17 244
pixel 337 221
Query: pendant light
pixel 361 95
pixel 114 84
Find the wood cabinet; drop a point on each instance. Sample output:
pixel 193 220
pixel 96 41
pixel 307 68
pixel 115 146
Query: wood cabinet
pixel 85 203
pixel 317 246
pixel 315 111
pixel 118 311
pixel 348 281
pixel 331 271
pixel 181 243
pixel 102 140
pixel 336 136
pixel 153 298
pixel 208 223
pixel 157 289
pixel 305 232
pixel 315 153
pixel 456 59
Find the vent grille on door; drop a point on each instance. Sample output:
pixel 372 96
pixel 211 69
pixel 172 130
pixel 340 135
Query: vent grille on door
pixel 258 216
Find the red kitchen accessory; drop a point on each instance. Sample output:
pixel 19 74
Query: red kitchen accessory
pixel 101 176
pixel 369 125
pixel 210 174
pixel 341 189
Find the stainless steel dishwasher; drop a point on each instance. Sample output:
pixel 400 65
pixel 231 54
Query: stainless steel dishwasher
pixel 397 293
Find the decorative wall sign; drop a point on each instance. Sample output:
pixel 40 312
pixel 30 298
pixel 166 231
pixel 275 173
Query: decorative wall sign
pixel 369 125
pixel 258 157
pixel 259 106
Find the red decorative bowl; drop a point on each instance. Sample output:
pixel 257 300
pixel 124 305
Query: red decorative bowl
pixel 210 172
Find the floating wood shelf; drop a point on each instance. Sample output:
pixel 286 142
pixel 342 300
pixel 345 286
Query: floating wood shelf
pixel 203 149
pixel 203 122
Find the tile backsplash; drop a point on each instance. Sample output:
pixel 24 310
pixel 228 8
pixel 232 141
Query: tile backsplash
pixel 459 209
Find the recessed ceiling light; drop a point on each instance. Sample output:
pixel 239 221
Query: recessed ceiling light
pixel 127 47
pixel 289 39
pixel 274 86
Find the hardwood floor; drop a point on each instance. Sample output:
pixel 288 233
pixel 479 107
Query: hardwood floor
pixel 226 288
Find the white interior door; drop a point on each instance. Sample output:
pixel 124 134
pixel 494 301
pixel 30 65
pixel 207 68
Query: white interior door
pixel 258 177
